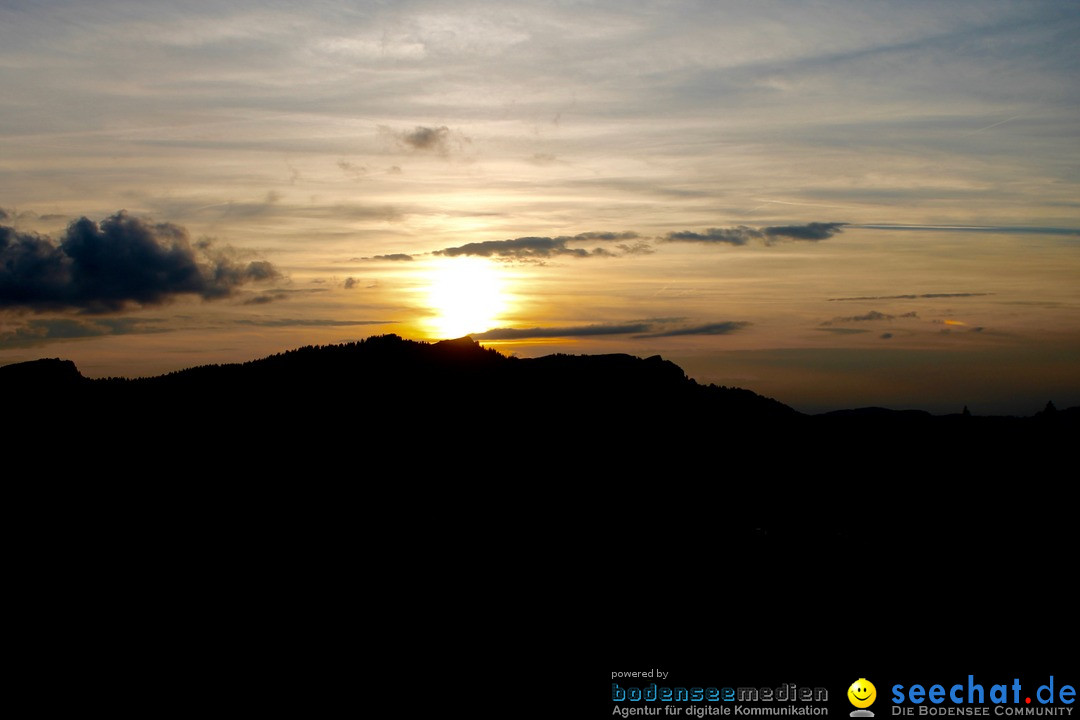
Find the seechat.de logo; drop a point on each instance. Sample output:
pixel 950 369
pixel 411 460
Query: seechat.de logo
pixel 975 698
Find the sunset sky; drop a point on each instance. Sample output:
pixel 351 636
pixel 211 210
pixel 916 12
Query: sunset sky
pixel 832 203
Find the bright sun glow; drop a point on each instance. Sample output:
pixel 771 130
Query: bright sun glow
pixel 466 294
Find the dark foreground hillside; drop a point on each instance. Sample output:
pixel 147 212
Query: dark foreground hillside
pixel 454 439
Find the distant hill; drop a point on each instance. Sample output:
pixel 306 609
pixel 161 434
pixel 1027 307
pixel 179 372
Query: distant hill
pixel 392 376
pixel 390 420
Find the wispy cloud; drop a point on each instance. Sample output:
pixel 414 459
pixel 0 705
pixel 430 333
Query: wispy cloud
pixel 518 248
pixel 995 229
pixel 557 332
pixel 392 256
pixel 909 297
pixel 40 330
pixel 528 248
pixel 871 316
pixel 719 328
pixel 309 322
pixel 265 298
pixel 842 331
pixel 742 234
pixel 639 330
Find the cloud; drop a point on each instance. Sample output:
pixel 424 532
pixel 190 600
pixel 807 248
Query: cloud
pixel 265 298
pixel 742 234
pixel 719 328
pixel 356 172
pixel 4 215
pixel 527 248
pixel 909 297
pixel 813 231
pixel 310 322
pixel 841 331
pixel 886 336
pixel 439 140
pixel 641 247
pixel 643 329
pixel 732 236
pixel 518 248
pixel 37 331
pixel 392 256
pixel 1008 229
pixel 611 236
pixel 554 332
pixel 425 138
pixel 871 316
pixel 350 283
pixel 120 262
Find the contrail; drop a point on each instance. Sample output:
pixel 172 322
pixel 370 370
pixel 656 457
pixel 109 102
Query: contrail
pixel 1001 122
pixel 765 202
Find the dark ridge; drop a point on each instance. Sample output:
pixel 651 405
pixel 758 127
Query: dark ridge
pixel 322 438
pixel 44 374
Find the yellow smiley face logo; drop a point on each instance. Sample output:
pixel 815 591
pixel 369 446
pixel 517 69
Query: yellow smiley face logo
pixel 862 693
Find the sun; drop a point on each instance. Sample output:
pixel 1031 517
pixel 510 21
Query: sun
pixel 466 295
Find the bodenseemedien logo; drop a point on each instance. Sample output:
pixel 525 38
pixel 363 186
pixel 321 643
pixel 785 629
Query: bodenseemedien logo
pixel 699 701
pixel 862 694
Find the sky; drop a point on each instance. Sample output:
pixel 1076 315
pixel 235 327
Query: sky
pixel 835 204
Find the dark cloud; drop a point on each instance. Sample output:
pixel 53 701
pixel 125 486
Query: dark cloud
pixel 871 316
pixel 4 215
pixel 841 331
pixel 518 248
pixel 610 236
pixel 121 261
pixel 265 298
pixel 909 297
pixel 261 270
pixel 393 256
pixel 426 138
pixel 350 283
pixel 641 247
pixel 554 332
pixel 886 336
pixel 37 331
pixel 813 231
pixel 732 236
pixel 742 234
pixel 720 328
pixel 531 248
pixel 439 140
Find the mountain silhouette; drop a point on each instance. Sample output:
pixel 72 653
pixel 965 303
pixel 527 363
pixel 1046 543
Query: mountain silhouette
pixel 425 427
